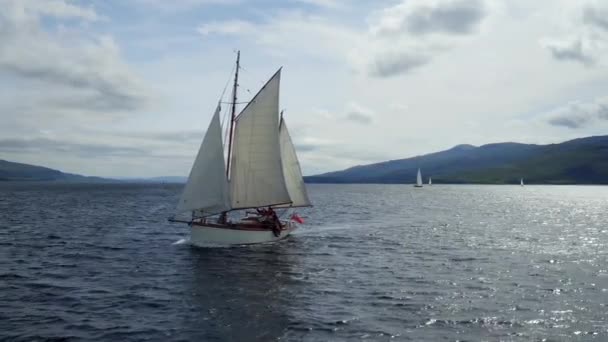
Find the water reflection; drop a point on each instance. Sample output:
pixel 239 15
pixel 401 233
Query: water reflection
pixel 236 294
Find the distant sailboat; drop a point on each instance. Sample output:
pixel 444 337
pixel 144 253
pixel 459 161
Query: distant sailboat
pixel 521 181
pixel 418 179
pixel 430 181
pixel 262 173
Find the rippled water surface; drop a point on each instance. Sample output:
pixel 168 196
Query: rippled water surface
pixel 372 262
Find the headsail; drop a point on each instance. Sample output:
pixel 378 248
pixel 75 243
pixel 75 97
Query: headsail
pixel 207 186
pixel 256 171
pixel 291 169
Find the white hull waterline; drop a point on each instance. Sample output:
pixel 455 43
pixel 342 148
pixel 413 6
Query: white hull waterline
pixel 203 236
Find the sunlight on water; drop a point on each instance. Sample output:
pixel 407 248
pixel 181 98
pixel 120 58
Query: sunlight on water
pixel 374 262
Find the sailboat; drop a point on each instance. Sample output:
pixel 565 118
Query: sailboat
pixel 521 181
pixel 418 180
pixel 261 173
pixel 430 181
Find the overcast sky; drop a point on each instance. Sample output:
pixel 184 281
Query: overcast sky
pixel 127 88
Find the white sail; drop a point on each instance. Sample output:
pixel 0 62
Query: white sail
pixel 291 170
pixel 256 171
pixel 430 181
pixel 522 182
pixel 419 179
pixel 207 186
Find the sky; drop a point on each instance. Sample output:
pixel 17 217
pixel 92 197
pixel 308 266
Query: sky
pixel 123 88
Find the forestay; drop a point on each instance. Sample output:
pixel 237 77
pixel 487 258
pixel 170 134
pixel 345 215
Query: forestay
pixel 256 171
pixel 207 186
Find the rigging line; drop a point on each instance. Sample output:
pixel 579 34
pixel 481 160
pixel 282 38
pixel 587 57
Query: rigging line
pixel 227 82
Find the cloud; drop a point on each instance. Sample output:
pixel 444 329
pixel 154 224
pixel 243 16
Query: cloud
pixel 229 27
pixel 322 3
pixel 419 17
pixel 359 114
pixel 398 39
pixel 580 114
pixel 89 70
pixel 45 145
pixel 184 5
pixel 51 8
pixel 597 17
pixel 91 143
pixel 586 44
pixel 288 33
pixel 410 34
pixel 392 63
pixel 571 50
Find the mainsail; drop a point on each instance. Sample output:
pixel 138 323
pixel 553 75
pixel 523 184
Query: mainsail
pixel 256 171
pixel 264 167
pixel 291 169
pixel 419 179
pixel 207 187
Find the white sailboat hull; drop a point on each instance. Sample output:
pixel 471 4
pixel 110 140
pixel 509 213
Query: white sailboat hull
pixel 204 236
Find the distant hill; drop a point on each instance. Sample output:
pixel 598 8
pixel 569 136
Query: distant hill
pixel 579 161
pixel 161 179
pixel 10 171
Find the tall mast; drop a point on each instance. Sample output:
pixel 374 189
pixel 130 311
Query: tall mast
pixel 233 110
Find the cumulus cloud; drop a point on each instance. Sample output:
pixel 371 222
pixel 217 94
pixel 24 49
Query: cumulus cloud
pixel 580 114
pixel 425 17
pixel 398 39
pixel 597 17
pixel 408 35
pixel 586 44
pixel 90 70
pixel 576 49
pixel 392 63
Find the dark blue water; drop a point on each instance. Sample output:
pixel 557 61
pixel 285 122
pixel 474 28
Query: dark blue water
pixel 373 262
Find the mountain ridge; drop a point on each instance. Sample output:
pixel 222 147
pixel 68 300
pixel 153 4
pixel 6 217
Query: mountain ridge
pixel 577 161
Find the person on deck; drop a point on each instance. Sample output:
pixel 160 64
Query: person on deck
pixel 222 218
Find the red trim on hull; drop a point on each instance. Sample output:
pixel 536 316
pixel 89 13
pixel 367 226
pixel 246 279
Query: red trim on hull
pixel 239 226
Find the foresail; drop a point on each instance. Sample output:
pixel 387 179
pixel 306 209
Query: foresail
pixel 291 170
pixel 256 171
pixel 207 186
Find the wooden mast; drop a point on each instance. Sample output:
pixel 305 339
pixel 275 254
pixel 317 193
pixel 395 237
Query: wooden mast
pixel 233 110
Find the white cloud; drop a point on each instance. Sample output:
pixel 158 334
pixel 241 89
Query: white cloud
pixel 363 81
pixel 421 17
pixel 83 73
pixel 587 39
pixel 333 4
pixel 578 49
pixel 580 114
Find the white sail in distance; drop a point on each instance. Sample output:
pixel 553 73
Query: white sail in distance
pixel 419 179
pixel 256 170
pixel 207 186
